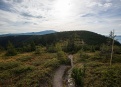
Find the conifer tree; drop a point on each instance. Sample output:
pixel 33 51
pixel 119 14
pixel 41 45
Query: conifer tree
pixel 11 51
pixel 33 47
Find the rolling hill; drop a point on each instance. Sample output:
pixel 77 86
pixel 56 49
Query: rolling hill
pixel 88 37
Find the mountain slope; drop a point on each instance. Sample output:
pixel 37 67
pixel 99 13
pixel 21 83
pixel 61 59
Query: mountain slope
pixel 88 37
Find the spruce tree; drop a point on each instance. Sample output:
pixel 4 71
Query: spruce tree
pixel 33 47
pixel 11 51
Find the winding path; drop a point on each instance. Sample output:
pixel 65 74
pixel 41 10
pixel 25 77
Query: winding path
pixel 58 80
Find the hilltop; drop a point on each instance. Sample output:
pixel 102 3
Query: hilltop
pixel 88 37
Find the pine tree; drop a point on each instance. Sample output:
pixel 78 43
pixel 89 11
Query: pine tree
pixel 71 46
pixel 1 48
pixel 33 47
pixel 11 51
pixel 58 47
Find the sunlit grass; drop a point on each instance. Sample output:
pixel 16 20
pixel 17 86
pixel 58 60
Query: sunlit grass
pixel 27 69
pixel 98 72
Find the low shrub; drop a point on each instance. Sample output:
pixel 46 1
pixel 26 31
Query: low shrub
pixel 25 58
pixel 11 51
pixel 96 57
pixel 51 49
pixel 37 78
pixel 62 57
pixel 78 76
pixel 52 63
pixel 111 77
pixel 4 75
pixel 83 56
pixel 38 50
pixel 37 62
pixel 8 65
pixel 22 69
pixel 116 58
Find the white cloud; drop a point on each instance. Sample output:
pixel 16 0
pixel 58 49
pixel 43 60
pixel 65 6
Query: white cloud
pixel 107 5
pixel 37 15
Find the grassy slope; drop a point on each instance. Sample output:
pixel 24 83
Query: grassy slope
pixel 27 69
pixel 98 71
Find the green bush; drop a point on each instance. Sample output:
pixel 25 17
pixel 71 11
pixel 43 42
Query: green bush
pixel 111 77
pixel 51 49
pixel 37 62
pixel 22 69
pixel 5 77
pixel 117 49
pixel 116 58
pixel 78 76
pixel 62 57
pixel 28 47
pixel 28 82
pixel 96 57
pixel 1 49
pixel 105 57
pixel 38 50
pixel 25 58
pixel 8 65
pixel 37 78
pixel 5 74
pixel 52 63
pixel 11 51
pixel 83 56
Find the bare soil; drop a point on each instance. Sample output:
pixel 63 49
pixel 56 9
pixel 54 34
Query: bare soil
pixel 58 77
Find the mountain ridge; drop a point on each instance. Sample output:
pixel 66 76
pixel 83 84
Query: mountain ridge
pixel 30 33
pixel 90 38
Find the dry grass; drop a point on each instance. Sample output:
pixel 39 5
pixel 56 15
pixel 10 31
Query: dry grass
pixel 97 71
pixel 29 66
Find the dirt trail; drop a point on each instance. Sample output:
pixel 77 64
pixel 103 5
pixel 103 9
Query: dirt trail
pixel 57 82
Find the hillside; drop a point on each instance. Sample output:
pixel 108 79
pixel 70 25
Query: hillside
pixel 88 37
pixel 32 60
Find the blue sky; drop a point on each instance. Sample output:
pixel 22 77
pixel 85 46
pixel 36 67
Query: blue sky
pixel 100 16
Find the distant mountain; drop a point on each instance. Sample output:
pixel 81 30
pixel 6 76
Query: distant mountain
pixel 118 38
pixel 30 33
